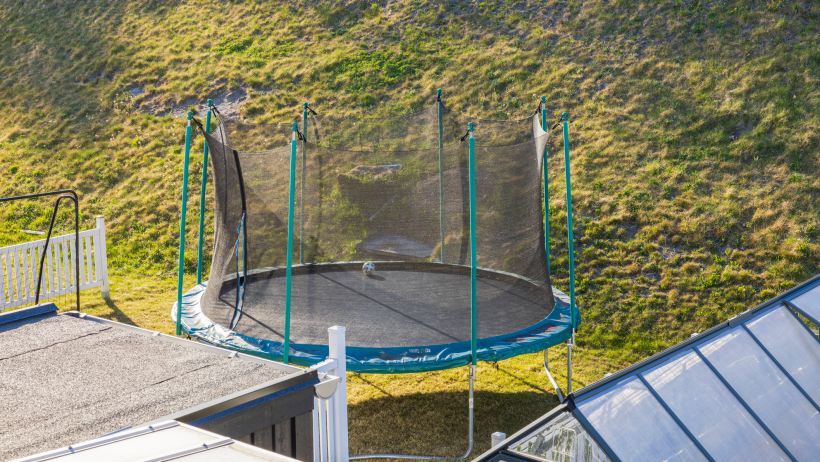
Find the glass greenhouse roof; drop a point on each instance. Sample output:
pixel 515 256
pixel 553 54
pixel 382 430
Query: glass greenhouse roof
pixel 747 389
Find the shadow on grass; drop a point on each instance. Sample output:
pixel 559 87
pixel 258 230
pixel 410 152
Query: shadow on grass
pixel 436 423
pixel 510 373
pixel 116 313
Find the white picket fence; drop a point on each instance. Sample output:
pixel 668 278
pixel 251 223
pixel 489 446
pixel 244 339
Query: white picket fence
pixel 330 440
pixel 19 267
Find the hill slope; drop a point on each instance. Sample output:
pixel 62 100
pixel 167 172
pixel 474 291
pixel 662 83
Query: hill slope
pixel 695 125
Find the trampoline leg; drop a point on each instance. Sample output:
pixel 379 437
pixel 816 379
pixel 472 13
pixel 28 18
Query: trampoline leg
pixel 470 415
pixel 470 434
pixel 552 379
pixel 570 344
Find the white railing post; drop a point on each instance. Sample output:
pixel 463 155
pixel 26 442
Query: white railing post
pixel 101 256
pixel 336 351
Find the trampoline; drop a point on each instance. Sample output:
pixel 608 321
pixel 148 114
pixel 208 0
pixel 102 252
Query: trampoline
pixel 427 246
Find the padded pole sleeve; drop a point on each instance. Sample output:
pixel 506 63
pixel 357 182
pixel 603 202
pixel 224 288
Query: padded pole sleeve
pixel 289 257
pixel 473 259
pixel 545 175
pixel 570 239
pixel 439 113
pixel 182 218
pixel 202 189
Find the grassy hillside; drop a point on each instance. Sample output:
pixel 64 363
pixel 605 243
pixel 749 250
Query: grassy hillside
pixel 695 133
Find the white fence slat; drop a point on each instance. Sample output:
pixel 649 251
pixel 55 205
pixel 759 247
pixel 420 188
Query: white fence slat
pixel 61 270
pixel 7 282
pixel 24 271
pixel 2 280
pixel 34 270
pixel 30 274
pixel 49 256
pixel 3 285
pixel 58 268
pixel 89 266
pixel 67 266
pixel 78 279
pixel 17 276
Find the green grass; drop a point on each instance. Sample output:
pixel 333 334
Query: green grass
pixel 694 132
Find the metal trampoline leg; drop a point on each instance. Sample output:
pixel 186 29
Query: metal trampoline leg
pixel 552 379
pixel 470 434
pixel 570 344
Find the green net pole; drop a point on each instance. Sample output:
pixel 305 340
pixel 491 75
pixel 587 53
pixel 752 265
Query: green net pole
pixel 439 111
pixel 570 240
pixel 544 166
pixel 202 196
pixel 182 218
pixel 571 250
pixel 473 259
pixel 305 107
pixel 289 256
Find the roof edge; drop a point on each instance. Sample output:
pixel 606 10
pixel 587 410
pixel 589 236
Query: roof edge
pixel 192 344
pixel 28 313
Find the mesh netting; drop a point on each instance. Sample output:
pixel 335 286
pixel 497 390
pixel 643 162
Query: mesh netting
pixel 392 195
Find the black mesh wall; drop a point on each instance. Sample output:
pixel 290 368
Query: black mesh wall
pixel 380 192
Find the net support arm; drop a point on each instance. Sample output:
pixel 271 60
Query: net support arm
pixel 545 173
pixel 571 249
pixel 305 108
pixel 203 187
pixel 182 218
pixel 289 255
pixel 439 115
pixel 473 258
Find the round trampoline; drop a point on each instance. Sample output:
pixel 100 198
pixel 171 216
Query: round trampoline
pixel 451 232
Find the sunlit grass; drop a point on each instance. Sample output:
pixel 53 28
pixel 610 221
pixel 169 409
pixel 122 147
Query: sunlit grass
pixel 695 135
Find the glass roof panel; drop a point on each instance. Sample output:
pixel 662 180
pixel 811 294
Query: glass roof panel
pixel 561 440
pixel 809 302
pixel 764 387
pixel 710 411
pixel 635 425
pixel 792 345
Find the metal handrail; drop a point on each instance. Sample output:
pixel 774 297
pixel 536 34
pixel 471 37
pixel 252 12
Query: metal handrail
pixel 68 194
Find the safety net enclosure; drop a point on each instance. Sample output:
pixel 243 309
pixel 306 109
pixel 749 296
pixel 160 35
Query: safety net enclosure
pixel 747 389
pixel 381 242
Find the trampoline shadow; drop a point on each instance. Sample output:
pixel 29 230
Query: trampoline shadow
pixel 436 423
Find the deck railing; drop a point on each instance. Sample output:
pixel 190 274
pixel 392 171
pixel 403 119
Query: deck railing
pixel 19 267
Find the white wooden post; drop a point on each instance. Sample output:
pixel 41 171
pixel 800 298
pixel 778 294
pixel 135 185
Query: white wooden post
pixel 101 256
pixel 336 351
pixel 497 438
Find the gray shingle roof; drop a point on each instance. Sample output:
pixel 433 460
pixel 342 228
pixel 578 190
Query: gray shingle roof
pixel 64 379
